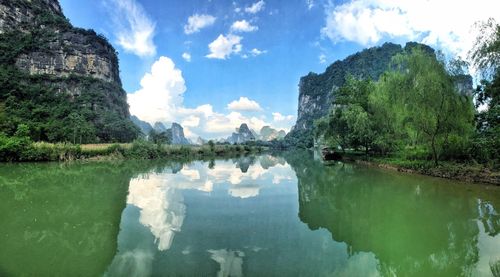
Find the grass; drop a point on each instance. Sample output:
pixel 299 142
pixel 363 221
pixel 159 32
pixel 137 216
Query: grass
pixel 459 170
pixel 42 151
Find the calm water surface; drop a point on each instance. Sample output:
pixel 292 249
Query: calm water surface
pixel 253 216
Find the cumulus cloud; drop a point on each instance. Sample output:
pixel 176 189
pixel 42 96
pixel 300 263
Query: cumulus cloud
pixel 256 52
pixel 134 29
pixel 256 7
pixel 186 56
pixel 160 93
pixel 224 46
pixel 160 99
pixel 197 22
pixel 243 26
pixel 310 4
pixel 244 104
pixel 368 22
pixel 280 117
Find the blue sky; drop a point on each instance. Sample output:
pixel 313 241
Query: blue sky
pixel 212 64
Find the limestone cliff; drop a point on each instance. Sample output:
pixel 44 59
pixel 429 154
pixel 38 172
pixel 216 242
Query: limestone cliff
pixel 64 50
pixel 317 91
pixel 242 135
pixel 178 134
pixel 78 66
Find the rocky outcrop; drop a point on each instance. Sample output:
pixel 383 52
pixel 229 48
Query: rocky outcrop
pixel 143 125
pixel 21 15
pixel 61 50
pixel 242 135
pixel 200 141
pixel 175 133
pixel 317 91
pixel 81 67
pixel 178 134
pixel 267 134
pixel 160 127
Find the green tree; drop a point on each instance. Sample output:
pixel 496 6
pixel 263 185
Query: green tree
pixel 159 137
pixel 424 100
pixel 486 58
pixel 212 145
pixel 349 122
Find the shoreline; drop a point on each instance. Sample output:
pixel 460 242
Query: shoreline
pixel 138 150
pixel 460 172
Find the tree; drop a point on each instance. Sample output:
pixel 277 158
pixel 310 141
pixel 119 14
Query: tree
pixel 159 137
pixel 212 145
pixel 424 99
pixel 485 56
pixel 349 122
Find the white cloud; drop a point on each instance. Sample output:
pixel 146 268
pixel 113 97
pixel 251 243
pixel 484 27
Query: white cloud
pixel 370 21
pixel 160 98
pixel 134 29
pixel 310 4
pixel 244 104
pixel 191 121
pixel 256 7
pixel 243 26
pixel 322 58
pixel 256 52
pixel 197 22
pixel 160 93
pixel 280 117
pixel 186 56
pixel 224 46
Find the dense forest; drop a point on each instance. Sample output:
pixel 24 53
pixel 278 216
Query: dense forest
pixel 416 112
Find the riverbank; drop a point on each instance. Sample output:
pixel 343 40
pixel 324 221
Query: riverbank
pixel 476 173
pixel 44 152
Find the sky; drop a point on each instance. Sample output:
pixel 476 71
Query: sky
pixel 211 65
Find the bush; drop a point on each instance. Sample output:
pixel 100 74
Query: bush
pixel 142 149
pixel 11 148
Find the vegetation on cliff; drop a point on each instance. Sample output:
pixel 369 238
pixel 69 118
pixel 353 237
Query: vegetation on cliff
pixel 415 111
pixel 58 104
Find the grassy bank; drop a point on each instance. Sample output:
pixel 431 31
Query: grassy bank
pixel 19 150
pixel 464 171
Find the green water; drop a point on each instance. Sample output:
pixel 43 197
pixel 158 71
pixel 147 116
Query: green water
pixel 252 216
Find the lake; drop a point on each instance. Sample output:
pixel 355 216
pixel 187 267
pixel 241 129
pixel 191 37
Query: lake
pixel 286 215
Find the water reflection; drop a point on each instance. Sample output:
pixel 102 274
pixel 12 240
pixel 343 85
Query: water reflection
pixel 253 216
pixel 231 262
pixel 413 225
pixel 158 199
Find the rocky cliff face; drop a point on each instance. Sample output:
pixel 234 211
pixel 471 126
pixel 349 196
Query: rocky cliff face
pixel 242 135
pixel 267 134
pixel 75 64
pixel 178 134
pixel 64 50
pixel 175 133
pixel 21 15
pixel 317 91
pixel 144 126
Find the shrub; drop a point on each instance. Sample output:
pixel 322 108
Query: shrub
pixel 143 150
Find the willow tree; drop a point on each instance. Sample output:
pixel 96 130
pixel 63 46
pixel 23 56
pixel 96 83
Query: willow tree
pixel 423 100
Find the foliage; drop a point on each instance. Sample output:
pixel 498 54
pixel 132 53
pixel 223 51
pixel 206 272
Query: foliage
pixel 97 113
pixel 486 57
pixel 414 106
pixel 159 137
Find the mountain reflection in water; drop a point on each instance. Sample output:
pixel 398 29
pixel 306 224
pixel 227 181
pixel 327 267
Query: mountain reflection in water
pixel 255 216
